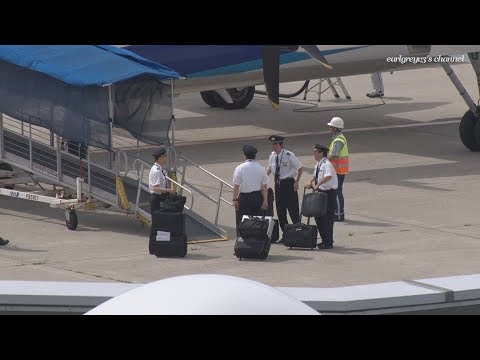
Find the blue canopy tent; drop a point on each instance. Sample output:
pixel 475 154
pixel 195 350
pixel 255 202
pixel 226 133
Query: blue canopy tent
pixel 67 89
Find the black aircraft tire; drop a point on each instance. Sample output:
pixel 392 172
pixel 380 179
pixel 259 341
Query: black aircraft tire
pixel 209 98
pixel 467 129
pixel 73 222
pixel 241 98
pixel 476 132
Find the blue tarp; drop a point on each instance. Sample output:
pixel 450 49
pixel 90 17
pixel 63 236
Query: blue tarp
pixel 83 65
pixel 60 87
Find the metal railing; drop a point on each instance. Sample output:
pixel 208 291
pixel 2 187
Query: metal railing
pixel 37 149
pixel 216 200
pixel 40 151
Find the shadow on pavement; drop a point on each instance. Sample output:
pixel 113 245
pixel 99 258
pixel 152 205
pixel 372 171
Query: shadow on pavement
pixel 9 247
pixel 350 251
pixel 366 223
pixel 194 256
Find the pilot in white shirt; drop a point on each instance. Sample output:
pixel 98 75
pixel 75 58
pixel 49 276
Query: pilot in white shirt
pixel 250 186
pixel 324 179
pixel 157 179
pixel 285 167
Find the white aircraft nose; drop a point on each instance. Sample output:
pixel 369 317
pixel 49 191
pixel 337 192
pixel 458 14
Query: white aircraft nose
pixel 204 294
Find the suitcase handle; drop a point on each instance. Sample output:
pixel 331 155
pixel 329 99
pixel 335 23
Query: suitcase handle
pixel 263 215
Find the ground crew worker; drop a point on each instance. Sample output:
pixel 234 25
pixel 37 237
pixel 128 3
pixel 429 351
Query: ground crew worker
pixel 324 179
pixel 250 196
pixel 158 183
pixel 285 166
pixel 377 83
pixel 338 156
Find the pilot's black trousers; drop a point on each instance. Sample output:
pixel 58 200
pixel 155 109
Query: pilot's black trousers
pixel 286 198
pixel 325 223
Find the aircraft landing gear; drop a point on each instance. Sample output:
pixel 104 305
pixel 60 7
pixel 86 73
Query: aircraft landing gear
pixel 241 97
pixel 71 219
pixel 469 130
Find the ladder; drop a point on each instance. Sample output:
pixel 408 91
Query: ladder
pixel 331 85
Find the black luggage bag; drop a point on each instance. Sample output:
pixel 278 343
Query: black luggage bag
pixel 300 235
pixel 253 227
pixel 252 247
pixel 175 247
pixel 173 203
pixel 305 235
pixel 314 204
pixel 173 222
pixel 167 235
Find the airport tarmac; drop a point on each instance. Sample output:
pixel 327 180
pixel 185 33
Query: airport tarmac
pixel 410 198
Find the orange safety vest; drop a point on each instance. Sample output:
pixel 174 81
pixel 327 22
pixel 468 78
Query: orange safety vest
pixel 340 163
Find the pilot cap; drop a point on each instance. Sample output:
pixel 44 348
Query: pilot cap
pixel 276 139
pixel 249 150
pixel 322 148
pixel 160 151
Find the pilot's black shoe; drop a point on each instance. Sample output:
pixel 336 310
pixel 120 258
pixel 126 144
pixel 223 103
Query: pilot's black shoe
pixel 375 94
pixel 281 240
pixel 323 246
pixel 340 218
pixel 3 242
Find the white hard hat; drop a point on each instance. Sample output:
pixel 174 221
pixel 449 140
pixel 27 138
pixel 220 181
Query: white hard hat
pixel 336 122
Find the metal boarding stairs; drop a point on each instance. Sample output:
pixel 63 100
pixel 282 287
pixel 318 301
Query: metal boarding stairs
pixel 331 85
pixel 107 182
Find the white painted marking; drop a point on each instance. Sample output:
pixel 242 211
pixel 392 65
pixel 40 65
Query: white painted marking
pixel 260 137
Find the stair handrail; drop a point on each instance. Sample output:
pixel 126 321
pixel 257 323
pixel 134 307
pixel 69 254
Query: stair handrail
pixel 223 183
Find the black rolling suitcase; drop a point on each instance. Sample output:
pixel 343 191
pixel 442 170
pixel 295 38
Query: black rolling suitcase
pixel 252 248
pixel 167 235
pixel 300 235
pixel 253 242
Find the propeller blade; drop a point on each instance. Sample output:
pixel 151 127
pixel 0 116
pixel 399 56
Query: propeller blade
pixel 271 73
pixel 313 51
